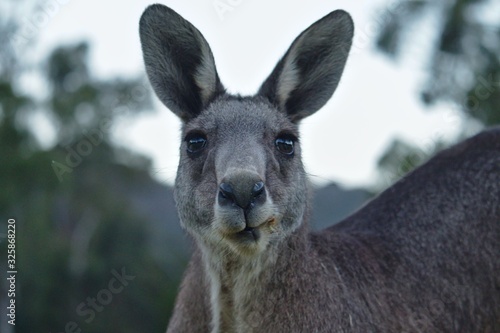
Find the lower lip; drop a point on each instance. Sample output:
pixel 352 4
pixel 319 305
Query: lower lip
pixel 249 234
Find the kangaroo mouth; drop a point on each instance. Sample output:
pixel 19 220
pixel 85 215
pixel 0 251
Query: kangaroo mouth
pixel 254 233
pixel 249 234
pixel 252 239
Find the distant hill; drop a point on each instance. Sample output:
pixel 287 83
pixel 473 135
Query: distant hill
pixel 332 203
pixel 155 202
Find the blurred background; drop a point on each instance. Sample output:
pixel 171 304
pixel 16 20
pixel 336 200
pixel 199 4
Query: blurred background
pixel 88 155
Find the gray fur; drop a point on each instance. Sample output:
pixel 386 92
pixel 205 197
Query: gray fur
pixel 421 257
pixel 312 67
pixel 179 62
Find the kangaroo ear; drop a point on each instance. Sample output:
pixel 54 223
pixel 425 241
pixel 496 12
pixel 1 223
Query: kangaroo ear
pixel 309 72
pixel 179 62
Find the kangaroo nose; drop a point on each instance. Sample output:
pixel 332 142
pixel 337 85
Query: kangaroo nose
pixel 243 192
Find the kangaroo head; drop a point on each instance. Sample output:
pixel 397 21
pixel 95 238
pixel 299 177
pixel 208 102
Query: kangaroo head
pixel 241 185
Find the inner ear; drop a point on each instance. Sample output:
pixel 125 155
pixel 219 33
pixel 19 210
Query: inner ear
pixel 309 72
pixel 179 62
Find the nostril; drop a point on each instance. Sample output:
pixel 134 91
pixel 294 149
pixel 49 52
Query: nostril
pixel 226 192
pixel 226 189
pixel 244 193
pixel 258 193
pixel 257 189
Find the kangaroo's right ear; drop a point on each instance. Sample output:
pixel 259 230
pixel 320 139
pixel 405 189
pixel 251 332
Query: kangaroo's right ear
pixel 308 74
pixel 179 62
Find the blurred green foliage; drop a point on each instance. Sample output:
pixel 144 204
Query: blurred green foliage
pixel 75 225
pixel 463 64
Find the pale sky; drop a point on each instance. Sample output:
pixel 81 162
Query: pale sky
pixel 376 100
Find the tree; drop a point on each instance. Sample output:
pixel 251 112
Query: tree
pixel 77 229
pixel 463 63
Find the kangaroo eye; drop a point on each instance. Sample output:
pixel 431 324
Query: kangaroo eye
pixel 196 142
pixel 285 145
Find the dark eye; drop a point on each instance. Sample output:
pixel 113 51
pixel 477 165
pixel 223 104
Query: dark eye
pixel 196 142
pixel 285 144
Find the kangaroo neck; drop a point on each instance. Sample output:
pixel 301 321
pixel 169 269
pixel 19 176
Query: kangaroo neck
pixel 237 283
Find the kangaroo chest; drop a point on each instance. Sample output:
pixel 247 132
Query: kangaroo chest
pixel 239 296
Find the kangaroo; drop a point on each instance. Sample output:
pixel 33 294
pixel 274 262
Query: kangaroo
pixel 421 257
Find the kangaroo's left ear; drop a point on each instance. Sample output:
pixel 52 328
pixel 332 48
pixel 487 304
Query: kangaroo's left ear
pixel 309 72
pixel 179 62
